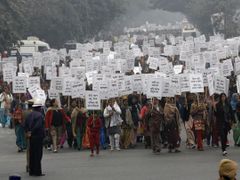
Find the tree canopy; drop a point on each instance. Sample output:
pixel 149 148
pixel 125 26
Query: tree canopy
pixel 55 21
pixel 199 12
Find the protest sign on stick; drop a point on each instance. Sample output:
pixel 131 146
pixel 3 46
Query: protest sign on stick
pixel 93 100
pixel 19 85
pixel 196 83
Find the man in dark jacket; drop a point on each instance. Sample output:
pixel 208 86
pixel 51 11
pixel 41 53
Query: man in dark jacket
pixel 34 127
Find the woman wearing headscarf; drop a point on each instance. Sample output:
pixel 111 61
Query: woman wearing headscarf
pixel 127 125
pixel 79 120
pixel 172 125
pixel 184 107
pixel 155 119
pixel 225 118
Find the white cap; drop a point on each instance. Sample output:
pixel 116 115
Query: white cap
pixel 38 103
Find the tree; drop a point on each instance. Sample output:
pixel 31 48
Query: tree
pixel 199 12
pixel 55 21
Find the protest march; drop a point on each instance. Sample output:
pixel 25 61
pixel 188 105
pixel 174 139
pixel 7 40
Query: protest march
pixel 144 87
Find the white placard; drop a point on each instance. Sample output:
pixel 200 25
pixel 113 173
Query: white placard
pixel 205 78
pixel 8 75
pixel 37 93
pixel 185 82
pixel 19 84
pixel 210 84
pixel 67 87
pixel 137 83
pixel 175 85
pixel 153 63
pixel 166 88
pixel 28 68
pixel 78 72
pixel 52 94
pixel 220 84
pixel 78 89
pixel 33 81
pixel 128 86
pixel 237 66
pixel 97 79
pixel 64 72
pixel 227 67
pixel 196 83
pixel 57 84
pixel 238 84
pixel 178 69
pixel 154 88
pixel 113 89
pixel 93 100
pixel 104 89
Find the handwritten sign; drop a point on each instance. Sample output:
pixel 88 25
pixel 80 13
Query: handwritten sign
pixel 93 100
pixel 154 88
pixel 137 83
pixel 19 84
pixel 8 75
pixel 33 81
pixel 57 84
pixel 78 89
pixel 67 87
pixel 166 89
pixel 196 83
pixel 220 84
pixel 52 94
pixel 185 83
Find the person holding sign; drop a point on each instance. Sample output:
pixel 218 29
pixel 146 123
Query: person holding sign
pixel 143 116
pixel 127 125
pixel 94 124
pixel 199 114
pixel 155 119
pixel 54 120
pixel 79 119
pixel 113 121
pixel 225 118
pixel 172 125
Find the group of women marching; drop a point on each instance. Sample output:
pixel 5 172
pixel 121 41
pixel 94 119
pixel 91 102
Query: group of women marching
pixel 125 121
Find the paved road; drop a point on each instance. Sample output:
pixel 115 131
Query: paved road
pixel 137 164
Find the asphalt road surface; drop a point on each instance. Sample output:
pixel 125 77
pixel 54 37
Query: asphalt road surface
pixel 134 164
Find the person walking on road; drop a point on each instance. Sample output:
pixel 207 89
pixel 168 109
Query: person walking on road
pixel 34 128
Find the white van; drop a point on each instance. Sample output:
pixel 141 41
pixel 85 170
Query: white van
pixel 32 45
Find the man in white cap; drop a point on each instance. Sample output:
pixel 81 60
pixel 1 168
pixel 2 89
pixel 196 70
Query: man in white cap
pixel 34 127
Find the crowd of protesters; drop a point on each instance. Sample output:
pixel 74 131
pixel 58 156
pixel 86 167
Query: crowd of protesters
pixel 124 122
